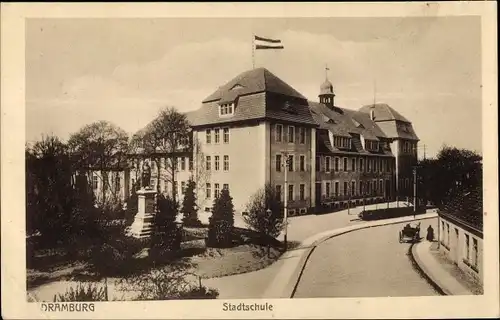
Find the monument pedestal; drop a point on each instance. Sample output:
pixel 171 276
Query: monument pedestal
pixel 142 227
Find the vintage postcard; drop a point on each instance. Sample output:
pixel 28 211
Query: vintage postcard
pixel 253 160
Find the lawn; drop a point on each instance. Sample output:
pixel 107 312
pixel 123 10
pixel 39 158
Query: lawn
pixel 249 253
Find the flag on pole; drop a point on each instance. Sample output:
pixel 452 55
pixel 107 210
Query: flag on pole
pixel 266 43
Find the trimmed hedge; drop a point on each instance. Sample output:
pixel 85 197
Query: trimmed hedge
pixel 388 213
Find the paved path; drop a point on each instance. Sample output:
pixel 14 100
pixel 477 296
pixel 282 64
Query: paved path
pixel 437 273
pixel 269 282
pixel 364 263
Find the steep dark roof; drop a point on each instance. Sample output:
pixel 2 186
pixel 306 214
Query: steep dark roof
pixel 345 123
pixel 383 112
pixel 389 121
pixel 257 94
pixel 397 129
pixel 252 81
pixel 467 207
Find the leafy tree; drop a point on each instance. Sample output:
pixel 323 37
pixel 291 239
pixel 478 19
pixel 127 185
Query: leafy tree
pixel 452 171
pixel 50 197
pixel 167 235
pixel 258 219
pixel 189 207
pixel 221 222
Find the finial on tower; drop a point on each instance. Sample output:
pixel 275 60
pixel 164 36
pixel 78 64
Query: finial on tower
pixel 326 71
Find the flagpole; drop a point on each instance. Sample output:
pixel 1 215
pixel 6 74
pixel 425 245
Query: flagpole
pixel 253 51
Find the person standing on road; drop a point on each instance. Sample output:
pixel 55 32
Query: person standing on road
pixel 430 234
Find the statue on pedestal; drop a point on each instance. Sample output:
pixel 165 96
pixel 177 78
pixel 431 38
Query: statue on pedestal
pixel 146 175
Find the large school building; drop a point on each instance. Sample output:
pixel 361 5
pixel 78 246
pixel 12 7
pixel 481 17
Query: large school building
pixel 249 126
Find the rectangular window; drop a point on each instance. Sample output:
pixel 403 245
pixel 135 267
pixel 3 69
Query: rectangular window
pixel 302 135
pixel 217 135
pixel 208 136
pixel 226 163
pixel 279 133
pixel 442 232
pixel 368 164
pixel 381 187
pixel 381 165
pixel 302 163
pixel 388 165
pixel 291 134
pixel 290 163
pixel 475 252
pixel 345 164
pixel 290 192
pixel 353 188
pixel 208 163
pixel 345 188
pixel 278 191
pixel 467 253
pixel 336 164
pixel 117 183
pixel 327 164
pixel 353 164
pixel 175 187
pixel 217 164
pixel 327 189
pixel 95 182
pixel 225 186
pixel 447 234
pixel 361 191
pixel 226 135
pixel 278 162
pixel 375 164
pixel 302 191
pixel 183 186
pixel 216 190
pixel 336 189
pixel 183 163
pixel 361 165
pixel 191 164
pixel 318 164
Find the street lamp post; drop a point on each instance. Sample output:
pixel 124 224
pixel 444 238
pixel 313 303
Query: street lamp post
pixel 285 204
pixel 414 191
pixel 268 222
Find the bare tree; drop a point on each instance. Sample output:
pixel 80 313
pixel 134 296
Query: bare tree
pixel 100 146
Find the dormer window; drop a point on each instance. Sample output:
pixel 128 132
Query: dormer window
pixel 342 142
pixel 226 109
pixel 371 145
pixel 357 124
pixel 288 107
pixel 237 86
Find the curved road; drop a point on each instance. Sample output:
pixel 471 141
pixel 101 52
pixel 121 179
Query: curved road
pixel 364 263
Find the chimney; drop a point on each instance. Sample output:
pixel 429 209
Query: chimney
pixel 372 113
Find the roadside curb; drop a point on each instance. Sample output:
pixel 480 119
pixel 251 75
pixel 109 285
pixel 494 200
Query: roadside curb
pixel 293 282
pixel 424 272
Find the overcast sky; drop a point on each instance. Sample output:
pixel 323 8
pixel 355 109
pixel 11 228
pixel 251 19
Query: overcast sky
pixel 124 70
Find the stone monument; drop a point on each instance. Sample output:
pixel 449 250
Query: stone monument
pixel 142 226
